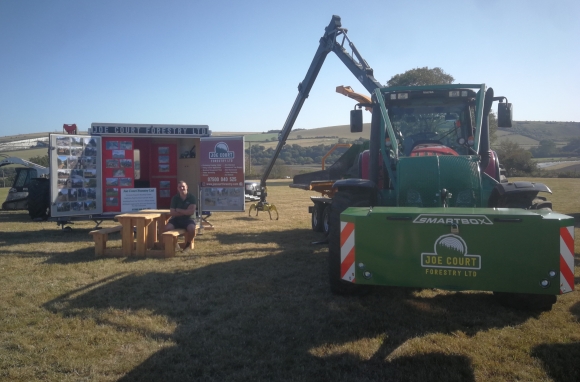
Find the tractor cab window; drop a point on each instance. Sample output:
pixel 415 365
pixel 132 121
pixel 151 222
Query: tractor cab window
pixel 23 177
pixel 432 122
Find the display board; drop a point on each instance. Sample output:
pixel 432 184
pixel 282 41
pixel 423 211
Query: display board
pixel 118 172
pixel 222 164
pixel 75 175
pixel 137 199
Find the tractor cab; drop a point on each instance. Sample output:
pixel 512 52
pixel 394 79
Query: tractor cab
pixel 18 193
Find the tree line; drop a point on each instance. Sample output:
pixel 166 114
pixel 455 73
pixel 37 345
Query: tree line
pixel 258 155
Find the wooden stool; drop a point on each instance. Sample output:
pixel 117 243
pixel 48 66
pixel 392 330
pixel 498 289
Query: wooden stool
pixel 100 236
pixel 169 240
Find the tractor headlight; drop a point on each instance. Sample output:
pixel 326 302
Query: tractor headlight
pixel 454 93
pixel 399 96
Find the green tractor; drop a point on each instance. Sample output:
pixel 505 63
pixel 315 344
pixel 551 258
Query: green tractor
pixel 427 205
pixel 430 206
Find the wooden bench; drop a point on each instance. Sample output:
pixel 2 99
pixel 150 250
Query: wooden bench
pixel 169 240
pixel 100 236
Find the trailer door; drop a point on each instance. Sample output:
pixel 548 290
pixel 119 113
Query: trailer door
pixel 75 175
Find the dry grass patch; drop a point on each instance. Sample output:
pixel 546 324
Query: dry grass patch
pixel 253 303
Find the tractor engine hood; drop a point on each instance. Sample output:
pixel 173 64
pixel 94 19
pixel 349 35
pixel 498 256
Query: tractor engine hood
pixel 439 181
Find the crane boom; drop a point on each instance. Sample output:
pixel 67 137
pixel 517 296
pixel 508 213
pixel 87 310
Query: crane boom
pixel 355 63
pixel 360 98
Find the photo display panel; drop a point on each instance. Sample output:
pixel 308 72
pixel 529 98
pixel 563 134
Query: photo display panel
pixel 75 177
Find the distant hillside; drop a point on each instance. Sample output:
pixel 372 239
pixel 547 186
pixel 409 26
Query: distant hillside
pixel 20 137
pixel 529 133
pixel 525 133
pixel 538 130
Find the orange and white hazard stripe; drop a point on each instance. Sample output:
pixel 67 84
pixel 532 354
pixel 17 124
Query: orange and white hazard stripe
pixel 347 251
pixel 566 259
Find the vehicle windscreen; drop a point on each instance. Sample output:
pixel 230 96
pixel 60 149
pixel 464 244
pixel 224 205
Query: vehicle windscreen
pixel 431 122
pixel 23 177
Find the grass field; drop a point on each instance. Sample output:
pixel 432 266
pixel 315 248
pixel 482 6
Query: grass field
pixel 26 154
pixel 253 304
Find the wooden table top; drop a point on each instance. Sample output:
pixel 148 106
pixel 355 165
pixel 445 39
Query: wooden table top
pixel 139 215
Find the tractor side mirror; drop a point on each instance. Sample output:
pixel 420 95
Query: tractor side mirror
pixel 356 121
pixel 504 114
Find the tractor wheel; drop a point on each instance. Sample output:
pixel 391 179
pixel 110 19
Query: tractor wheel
pixel 326 219
pixel 317 217
pixel 341 201
pixel 541 203
pixel 39 199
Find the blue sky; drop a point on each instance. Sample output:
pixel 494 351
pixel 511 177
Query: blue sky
pixel 235 65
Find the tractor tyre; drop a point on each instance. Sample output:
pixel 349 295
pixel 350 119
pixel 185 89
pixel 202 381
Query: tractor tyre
pixel 541 203
pixel 341 201
pixel 326 219
pixel 317 217
pixel 39 199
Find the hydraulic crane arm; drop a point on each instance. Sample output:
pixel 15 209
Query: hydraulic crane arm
pixel 360 98
pixel 355 63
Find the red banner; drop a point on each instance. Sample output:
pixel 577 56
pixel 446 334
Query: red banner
pixel 222 162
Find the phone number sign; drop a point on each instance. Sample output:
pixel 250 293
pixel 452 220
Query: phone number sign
pixel 222 162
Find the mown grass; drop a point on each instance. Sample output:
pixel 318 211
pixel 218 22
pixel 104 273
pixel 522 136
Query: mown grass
pixel 253 303
pixel 26 154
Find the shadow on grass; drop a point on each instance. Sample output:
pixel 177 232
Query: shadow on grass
pixel 560 360
pixel 35 245
pixel 273 318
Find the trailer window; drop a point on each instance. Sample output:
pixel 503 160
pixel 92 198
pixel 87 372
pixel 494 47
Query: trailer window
pixel 137 162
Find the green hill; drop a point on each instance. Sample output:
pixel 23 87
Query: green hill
pixel 529 133
pixel 526 133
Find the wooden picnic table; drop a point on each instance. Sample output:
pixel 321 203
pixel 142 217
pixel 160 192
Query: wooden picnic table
pixel 147 224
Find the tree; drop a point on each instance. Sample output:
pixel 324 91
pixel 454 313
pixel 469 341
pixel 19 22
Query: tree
pixel 421 76
pixel 492 128
pixel 516 160
pixel 573 147
pixel 547 148
pixel 279 170
pixel 42 161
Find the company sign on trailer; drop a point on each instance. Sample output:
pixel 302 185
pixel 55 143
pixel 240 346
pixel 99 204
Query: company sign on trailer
pixel 222 174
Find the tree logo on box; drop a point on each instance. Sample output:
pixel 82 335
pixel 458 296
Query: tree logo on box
pixel 450 252
pixel 221 151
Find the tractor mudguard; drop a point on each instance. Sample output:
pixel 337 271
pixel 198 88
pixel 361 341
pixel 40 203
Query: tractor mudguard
pixel 519 195
pixel 515 187
pixel 492 249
